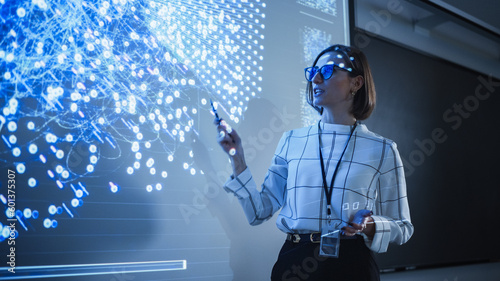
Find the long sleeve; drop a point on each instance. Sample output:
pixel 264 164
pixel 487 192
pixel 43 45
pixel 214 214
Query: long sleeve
pixel 391 214
pixel 259 206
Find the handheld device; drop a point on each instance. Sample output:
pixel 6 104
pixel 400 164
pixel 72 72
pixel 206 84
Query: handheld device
pixel 361 215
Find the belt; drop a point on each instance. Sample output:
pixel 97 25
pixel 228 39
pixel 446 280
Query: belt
pixel 314 237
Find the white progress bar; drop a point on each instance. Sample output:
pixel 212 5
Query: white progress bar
pixel 68 270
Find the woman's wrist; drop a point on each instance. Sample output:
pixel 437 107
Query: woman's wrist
pixel 239 164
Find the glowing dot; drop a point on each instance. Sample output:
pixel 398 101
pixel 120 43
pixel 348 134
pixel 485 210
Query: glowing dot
pixel 114 188
pixel 149 188
pixel 47 223
pixel 9 213
pixel 92 148
pixel 52 209
pixel 150 162
pixel 232 151
pixel 59 169
pixel 60 154
pixel 21 168
pixel 12 126
pixel 34 214
pixel 164 174
pixel 130 170
pixel 90 168
pixel 193 171
pixel 78 57
pixel 21 12
pixel 69 138
pixel 158 186
pixel 137 165
pixel 7 75
pixel 32 182
pixel 170 158
pixel 12 139
pixel 75 202
pixel 30 125
pixel 50 138
pixel 54 224
pixel 16 152
pixel 27 213
pixel 65 174
pixel 50 173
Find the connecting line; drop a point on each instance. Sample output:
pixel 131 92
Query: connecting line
pixel 52 271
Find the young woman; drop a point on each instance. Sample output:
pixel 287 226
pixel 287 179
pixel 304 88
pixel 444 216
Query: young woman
pixel 340 187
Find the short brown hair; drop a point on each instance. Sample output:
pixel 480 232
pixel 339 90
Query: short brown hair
pixel 364 100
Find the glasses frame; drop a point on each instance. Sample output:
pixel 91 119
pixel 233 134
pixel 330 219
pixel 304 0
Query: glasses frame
pixel 319 70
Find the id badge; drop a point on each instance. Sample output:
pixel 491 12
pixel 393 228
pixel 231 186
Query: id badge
pixel 330 239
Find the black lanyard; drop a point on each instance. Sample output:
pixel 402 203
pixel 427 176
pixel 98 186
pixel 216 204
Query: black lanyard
pixel 329 191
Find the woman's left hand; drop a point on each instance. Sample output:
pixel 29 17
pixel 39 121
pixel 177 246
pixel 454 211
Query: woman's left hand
pixel 367 227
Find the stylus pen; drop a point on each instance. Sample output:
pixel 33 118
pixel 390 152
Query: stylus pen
pixel 215 112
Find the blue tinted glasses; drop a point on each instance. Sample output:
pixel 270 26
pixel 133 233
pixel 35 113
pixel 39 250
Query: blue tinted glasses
pixel 326 71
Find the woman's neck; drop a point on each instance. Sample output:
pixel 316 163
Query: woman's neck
pixel 342 119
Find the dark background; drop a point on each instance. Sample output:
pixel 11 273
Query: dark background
pixel 452 176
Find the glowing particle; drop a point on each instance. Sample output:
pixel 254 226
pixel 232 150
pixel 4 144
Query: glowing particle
pixel 9 213
pixel 232 152
pixel 130 170
pixel 60 154
pixel 149 188
pixel 12 126
pixel 32 148
pixel 159 186
pixel 21 168
pixel 90 168
pixel 164 174
pixel 32 182
pixel 50 138
pixel 47 223
pixel 12 139
pixel 113 187
pixel 52 209
pixel 93 148
pixel 152 171
pixel 75 202
pixel 16 151
pixel 79 193
pixel 27 213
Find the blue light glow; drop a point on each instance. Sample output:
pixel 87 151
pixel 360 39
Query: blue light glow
pixel 95 83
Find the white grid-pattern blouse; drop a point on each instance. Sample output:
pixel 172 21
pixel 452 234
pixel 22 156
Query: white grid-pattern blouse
pixel 370 176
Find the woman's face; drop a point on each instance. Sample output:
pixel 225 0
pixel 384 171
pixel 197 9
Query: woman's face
pixel 336 91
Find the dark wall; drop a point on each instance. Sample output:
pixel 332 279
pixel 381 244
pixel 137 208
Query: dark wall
pixel 444 120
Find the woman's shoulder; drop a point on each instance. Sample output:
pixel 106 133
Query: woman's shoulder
pixel 369 135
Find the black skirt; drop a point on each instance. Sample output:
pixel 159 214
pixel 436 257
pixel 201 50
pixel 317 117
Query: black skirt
pixel 301 261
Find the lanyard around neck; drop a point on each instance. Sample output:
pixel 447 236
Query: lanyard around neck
pixel 329 191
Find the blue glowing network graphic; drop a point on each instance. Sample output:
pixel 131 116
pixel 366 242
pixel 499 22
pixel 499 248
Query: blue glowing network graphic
pixel 91 88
